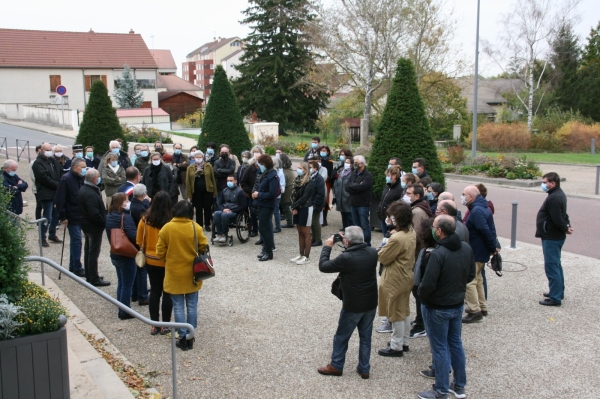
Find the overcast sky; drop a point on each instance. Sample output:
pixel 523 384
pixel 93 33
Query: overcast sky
pixel 184 25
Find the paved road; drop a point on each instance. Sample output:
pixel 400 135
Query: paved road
pixel 582 212
pixel 12 133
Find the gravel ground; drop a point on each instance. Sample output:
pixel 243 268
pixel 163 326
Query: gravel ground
pixel 264 328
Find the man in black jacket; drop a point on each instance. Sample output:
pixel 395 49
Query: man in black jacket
pixel 47 172
pixel 450 267
pixel 357 268
pixel 360 188
pixel 93 219
pixel 67 207
pixel 223 167
pixel 230 203
pixel 552 226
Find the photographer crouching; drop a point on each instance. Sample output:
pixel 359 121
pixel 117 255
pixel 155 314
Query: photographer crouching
pixel 356 286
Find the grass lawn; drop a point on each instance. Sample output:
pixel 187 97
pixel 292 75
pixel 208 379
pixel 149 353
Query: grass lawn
pixel 575 158
pixel 188 135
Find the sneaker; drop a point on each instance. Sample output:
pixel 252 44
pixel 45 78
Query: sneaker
pixel 429 373
pixel 459 393
pixel 222 238
pixel 304 260
pixel 472 318
pixel 296 259
pixel 385 328
pixel 384 320
pixel 418 332
pixel 432 394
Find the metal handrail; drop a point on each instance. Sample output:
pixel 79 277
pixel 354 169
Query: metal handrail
pixel 190 335
pixel 38 222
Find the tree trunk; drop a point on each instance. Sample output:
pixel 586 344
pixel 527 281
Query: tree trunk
pixel 364 133
pixel 531 90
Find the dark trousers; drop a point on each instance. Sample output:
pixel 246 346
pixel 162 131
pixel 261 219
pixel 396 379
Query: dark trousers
pixel 38 208
pixel 51 216
pixel 265 228
pixel 419 319
pixel 91 252
pixel 287 211
pixel 253 215
pixel 203 205
pixel 346 219
pixel 157 278
pixel 140 286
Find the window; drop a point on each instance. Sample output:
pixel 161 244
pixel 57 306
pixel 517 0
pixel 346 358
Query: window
pixel 235 44
pixel 90 79
pixel 146 83
pixel 54 81
pixel 212 66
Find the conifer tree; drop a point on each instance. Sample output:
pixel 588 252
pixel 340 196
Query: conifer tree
pixel 100 124
pixel 404 130
pixel 223 121
pixel 565 58
pixel 127 93
pixel 276 63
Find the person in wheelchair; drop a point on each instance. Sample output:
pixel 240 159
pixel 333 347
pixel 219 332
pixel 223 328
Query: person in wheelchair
pixel 231 201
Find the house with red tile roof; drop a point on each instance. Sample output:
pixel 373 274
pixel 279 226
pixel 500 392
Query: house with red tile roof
pixel 165 62
pixel 33 63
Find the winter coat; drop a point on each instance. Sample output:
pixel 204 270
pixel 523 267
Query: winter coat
pixel 482 231
pixel 342 197
pixel 397 279
pixel 181 162
pixel 357 266
pixel 391 192
pixel 233 199
pixel 65 200
pixel 450 268
pixel 267 189
pixel 223 168
pixel 142 163
pixel 123 160
pixel 148 240
pixel 176 247
pixel 112 180
pixel 209 178
pixel 360 188
pixel 113 221
pixel 552 221
pixel 94 162
pixel 175 175
pixel 47 173
pixel 165 180
pixel 249 179
pixel 11 184
pixel 420 212
pixel 462 231
pixel 289 176
pixel 319 198
pixel 303 194
pixel 91 208
pixel 138 208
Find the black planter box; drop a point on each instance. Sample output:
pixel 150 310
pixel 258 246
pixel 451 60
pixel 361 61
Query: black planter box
pixel 35 366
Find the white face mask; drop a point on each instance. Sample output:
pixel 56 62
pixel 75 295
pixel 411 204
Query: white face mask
pixel 48 154
pixel 463 200
pixel 126 205
pixel 192 153
pixel 58 154
pixel 156 163
pixel 347 166
pixel 406 199
pixel 257 154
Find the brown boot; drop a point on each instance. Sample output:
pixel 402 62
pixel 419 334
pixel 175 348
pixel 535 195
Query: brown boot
pixel 329 370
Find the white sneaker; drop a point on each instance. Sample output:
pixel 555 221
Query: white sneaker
pixel 223 238
pixel 296 259
pixel 304 260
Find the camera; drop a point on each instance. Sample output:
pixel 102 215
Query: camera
pixel 337 238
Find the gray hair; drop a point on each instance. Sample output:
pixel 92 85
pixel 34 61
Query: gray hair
pixel 247 154
pixel 91 175
pixel 9 163
pixel 447 224
pixel 276 163
pixel 77 161
pixel 258 148
pixel 360 159
pixel 56 147
pixel 354 235
pixel 139 190
pixel 199 152
pixel 112 143
pixel 446 196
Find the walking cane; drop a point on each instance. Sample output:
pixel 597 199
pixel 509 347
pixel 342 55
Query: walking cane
pixel 62 253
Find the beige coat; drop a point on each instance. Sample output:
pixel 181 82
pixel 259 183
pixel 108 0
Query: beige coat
pixel 398 260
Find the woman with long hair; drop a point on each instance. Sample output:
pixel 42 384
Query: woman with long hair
pixel 327 163
pixel 302 209
pixel 265 196
pixel 201 188
pixel 398 260
pixel 286 197
pixel 113 175
pixel 125 266
pixel 155 218
pixel 339 181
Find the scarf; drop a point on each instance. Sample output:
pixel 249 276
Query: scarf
pixel 200 167
pixel 115 169
pixel 345 172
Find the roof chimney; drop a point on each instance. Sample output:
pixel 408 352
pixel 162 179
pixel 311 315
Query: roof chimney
pixel 219 39
pixel 91 30
pixel 131 31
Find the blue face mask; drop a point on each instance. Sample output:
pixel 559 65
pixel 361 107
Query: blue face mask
pixel 12 174
pixel 230 184
pixel 342 158
pixel 262 168
pixel 402 184
pixel 323 154
pixel 314 146
pixel 144 153
pixel 90 155
pixel 388 179
pixel 99 180
pixel 210 151
pixel 79 155
pixel 83 171
pixel 430 196
pixel 115 151
pixel 114 164
pixel 544 187
pixel 390 166
pixel 300 172
pixel 177 152
pixel 415 171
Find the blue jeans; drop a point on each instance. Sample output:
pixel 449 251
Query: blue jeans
pixel 346 219
pixel 221 221
pixel 360 217
pixel 383 228
pixel 277 215
pixel 52 221
pixel 75 248
pixel 140 286
pixel 553 268
pixel 347 323
pixel 126 269
pixel 190 302
pixel 444 332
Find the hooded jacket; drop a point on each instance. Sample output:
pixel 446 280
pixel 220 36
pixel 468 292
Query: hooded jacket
pixel 552 221
pixel 450 268
pixel 482 231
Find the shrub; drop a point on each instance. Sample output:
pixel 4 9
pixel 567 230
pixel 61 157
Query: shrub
pixel 577 136
pixel 545 141
pixel 456 154
pixel 40 315
pixel 192 120
pixel 145 134
pixel 555 118
pixel 502 136
pixel 8 318
pixel 12 252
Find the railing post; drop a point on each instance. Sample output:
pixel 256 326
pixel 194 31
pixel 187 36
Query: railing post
pixel 513 226
pixel 597 178
pixel 174 363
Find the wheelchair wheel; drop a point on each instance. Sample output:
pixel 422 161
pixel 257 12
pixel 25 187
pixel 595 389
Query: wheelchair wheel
pixel 242 227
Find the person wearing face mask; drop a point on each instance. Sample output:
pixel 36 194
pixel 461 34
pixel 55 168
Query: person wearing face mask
pixel 432 194
pixel 246 155
pixel 302 209
pixel 418 168
pixel 230 202
pixel 314 149
pixel 318 202
pixel 210 156
pixel 340 178
pixel 62 159
pixel 158 147
pixel 181 162
pixel 137 150
pixel 67 207
pixel 201 189
pixel 223 167
pixel 552 226
pixel 143 160
pixel 47 172
pixel 14 185
pixel 124 265
pixel 391 192
pixel 167 161
pixel 115 147
pixel 247 184
pixel 191 159
pixel 77 153
pixel 113 175
pixel 159 177
pixel 360 188
pixel 406 180
pixel 482 238
pixel 327 163
pixel 286 197
pixel 91 159
pixel 265 195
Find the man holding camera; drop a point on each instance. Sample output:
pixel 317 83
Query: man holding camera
pixel 357 268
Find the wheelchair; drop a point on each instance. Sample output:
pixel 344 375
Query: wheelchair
pixel 242 226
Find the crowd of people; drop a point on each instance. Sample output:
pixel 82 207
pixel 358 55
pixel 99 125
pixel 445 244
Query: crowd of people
pixel 429 250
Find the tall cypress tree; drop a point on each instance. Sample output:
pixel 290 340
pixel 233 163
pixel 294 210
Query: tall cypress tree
pixel 275 65
pixel 100 124
pixel 223 122
pixel 404 130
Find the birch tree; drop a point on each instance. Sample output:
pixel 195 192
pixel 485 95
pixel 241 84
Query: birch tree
pixel 525 37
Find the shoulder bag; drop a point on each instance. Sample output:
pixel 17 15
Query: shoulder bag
pixel 336 287
pixel 202 265
pixel 119 242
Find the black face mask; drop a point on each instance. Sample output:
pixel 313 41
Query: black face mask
pixel 224 155
pixel 158 148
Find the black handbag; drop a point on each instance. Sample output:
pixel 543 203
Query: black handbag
pixel 202 265
pixel 336 287
pixel 496 264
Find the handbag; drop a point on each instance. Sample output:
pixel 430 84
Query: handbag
pixel 496 264
pixel 336 287
pixel 119 242
pixel 202 265
pixel 140 257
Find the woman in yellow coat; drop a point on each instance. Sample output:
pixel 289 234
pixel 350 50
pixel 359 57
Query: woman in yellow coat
pixel 398 259
pixel 177 248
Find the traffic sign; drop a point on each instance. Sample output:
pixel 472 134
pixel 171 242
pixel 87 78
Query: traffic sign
pixel 61 90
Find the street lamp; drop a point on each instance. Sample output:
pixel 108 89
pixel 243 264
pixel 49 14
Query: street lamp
pixel 475 88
